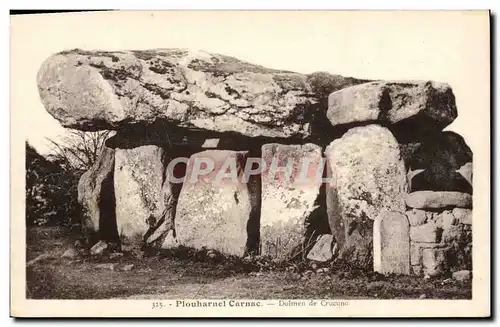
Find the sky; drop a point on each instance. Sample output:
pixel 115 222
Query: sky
pixel 451 47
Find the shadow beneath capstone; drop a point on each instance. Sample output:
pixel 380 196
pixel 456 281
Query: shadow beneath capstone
pixel 170 136
pixel 108 229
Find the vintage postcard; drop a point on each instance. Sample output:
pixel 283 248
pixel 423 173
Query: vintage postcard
pixel 250 164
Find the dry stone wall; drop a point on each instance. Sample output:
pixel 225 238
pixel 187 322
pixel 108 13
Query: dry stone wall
pixel 387 189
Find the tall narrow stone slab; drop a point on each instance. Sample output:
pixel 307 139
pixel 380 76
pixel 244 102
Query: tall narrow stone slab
pixel 288 203
pixel 368 175
pixel 96 196
pixel 391 244
pixel 214 213
pixel 144 200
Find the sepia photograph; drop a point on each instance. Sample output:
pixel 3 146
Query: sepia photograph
pixel 233 163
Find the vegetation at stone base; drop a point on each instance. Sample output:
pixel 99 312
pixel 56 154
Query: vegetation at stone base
pixel 186 273
pixel 52 181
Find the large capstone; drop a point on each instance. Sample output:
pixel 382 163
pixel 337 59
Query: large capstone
pixel 92 90
pixel 367 176
pixel 97 198
pixel 290 199
pixel 215 204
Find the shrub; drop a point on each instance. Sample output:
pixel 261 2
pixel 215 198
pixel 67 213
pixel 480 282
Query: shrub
pixel 51 191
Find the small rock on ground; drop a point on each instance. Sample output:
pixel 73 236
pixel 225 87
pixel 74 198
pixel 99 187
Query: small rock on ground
pixel 128 267
pixel 446 281
pixel 99 248
pixel 462 275
pixel 109 266
pixel 70 253
pixel 115 255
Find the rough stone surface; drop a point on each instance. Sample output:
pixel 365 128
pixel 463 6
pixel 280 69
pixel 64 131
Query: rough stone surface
pixel 96 196
pixel 438 200
pixel 391 244
pixel 446 161
pixel 99 248
pixel 392 102
pixel 92 90
pixel 288 203
pixel 368 175
pixel 116 255
pixel 448 219
pixel 322 250
pixel 144 201
pixel 453 233
pixel 128 267
pixel 415 255
pixel 462 275
pixel 464 216
pixel 437 219
pixel 214 213
pixel 434 261
pixel 466 171
pixel 416 217
pixel 170 241
pixel 428 233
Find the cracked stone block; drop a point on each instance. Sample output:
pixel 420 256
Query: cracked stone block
pixel 144 198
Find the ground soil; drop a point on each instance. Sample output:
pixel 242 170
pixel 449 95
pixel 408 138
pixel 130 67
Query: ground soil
pixel 169 277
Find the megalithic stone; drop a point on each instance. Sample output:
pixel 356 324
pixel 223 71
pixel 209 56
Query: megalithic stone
pixel 144 199
pixel 92 90
pixel 213 212
pixel 369 176
pixel 288 200
pixel 97 198
pixel 393 102
pixel 391 243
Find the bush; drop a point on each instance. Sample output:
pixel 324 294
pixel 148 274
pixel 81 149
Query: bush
pixel 51 191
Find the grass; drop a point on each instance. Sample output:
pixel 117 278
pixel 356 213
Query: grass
pixel 172 276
